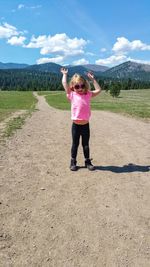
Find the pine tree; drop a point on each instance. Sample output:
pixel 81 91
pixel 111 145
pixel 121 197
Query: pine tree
pixel 115 89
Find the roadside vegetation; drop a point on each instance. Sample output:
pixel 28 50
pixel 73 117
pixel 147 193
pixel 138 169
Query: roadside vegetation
pixel 11 103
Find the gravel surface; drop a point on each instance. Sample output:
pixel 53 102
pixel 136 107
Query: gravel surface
pixel 53 217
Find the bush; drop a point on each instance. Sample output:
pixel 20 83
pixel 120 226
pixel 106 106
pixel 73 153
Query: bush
pixel 115 89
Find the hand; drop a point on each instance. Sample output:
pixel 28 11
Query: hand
pixel 64 71
pixel 90 75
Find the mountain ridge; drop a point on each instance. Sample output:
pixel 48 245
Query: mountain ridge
pixel 55 68
pixel 129 69
pixel 11 65
pixel 126 70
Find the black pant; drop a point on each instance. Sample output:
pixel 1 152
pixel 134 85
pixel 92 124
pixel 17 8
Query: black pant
pixel 84 132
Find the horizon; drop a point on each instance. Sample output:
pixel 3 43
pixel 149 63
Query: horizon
pixel 37 33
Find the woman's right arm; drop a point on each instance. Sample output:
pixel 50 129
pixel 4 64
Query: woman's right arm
pixel 64 80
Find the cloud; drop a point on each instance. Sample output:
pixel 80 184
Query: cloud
pixel 123 45
pixel 18 41
pixel 112 60
pixel 103 49
pixel 59 44
pixel 58 47
pixel 7 30
pixel 34 7
pixel 90 54
pixel 118 59
pixel 22 6
pixel 81 61
pixel 58 60
pixel 121 49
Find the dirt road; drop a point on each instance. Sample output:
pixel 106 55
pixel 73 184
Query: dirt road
pixel 53 217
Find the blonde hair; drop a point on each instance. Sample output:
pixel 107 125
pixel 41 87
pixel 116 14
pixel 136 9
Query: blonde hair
pixel 77 78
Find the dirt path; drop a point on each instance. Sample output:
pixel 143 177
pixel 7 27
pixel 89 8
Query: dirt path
pixel 53 217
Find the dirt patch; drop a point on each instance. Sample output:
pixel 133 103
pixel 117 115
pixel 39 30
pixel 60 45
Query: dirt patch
pixel 51 216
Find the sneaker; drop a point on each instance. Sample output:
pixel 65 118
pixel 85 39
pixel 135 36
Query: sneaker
pixel 89 165
pixel 73 166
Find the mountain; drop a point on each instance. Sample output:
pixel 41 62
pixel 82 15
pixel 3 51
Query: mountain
pixel 55 68
pixel 126 70
pixel 129 69
pixel 46 67
pixel 77 69
pixel 48 77
pixel 96 68
pixel 5 66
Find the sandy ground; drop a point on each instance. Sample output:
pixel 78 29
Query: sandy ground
pixel 53 217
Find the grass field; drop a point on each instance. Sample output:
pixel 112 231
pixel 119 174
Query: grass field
pixel 13 101
pixel 132 102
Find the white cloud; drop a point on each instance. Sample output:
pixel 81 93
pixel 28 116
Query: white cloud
pixel 121 49
pixel 34 7
pixel 59 43
pixel 123 45
pixel 118 59
pixel 112 60
pixel 38 42
pixel 81 61
pixel 90 54
pixel 20 6
pixel 58 60
pixel 7 30
pixel 18 41
pixel 103 50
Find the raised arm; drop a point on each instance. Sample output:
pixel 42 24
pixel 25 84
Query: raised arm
pixel 95 83
pixel 64 79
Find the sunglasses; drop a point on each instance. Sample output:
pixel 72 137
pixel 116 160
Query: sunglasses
pixel 78 86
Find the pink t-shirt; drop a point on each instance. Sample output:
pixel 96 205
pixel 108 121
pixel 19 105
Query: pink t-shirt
pixel 80 105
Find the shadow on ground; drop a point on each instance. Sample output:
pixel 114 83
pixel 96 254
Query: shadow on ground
pixel 125 168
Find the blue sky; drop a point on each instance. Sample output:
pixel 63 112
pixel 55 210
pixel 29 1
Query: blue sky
pixel 75 32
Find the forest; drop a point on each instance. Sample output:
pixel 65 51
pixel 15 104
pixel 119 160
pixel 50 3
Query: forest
pixel 31 80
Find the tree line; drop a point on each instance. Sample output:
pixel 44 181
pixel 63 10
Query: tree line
pixel 31 80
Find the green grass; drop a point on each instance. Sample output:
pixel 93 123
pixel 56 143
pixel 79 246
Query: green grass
pixel 132 102
pixel 14 101
pixel 13 124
